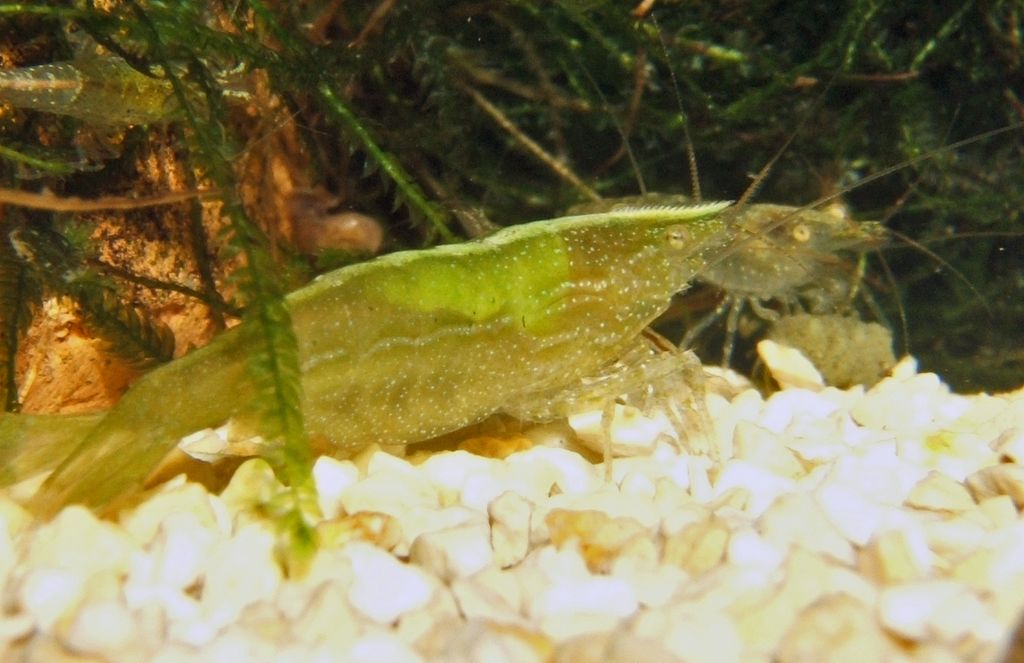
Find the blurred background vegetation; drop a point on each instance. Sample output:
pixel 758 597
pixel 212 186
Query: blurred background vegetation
pixel 317 129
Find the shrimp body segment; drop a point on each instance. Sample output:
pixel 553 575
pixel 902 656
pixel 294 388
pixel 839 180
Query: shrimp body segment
pixel 418 343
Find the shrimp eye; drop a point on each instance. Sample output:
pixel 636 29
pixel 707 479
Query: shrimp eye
pixel 802 232
pixel 678 237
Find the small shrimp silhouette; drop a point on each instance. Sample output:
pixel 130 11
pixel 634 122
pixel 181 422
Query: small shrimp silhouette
pixel 100 90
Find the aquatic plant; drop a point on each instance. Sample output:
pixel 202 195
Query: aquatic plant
pixel 425 115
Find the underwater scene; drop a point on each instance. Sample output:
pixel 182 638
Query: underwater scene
pixel 460 331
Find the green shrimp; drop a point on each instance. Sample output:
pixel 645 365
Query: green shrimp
pixel 100 90
pixel 419 343
pixel 106 91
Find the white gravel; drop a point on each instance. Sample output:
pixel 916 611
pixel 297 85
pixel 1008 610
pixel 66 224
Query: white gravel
pixel 855 525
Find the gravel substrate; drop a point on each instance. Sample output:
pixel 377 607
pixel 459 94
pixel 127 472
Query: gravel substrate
pixel 878 525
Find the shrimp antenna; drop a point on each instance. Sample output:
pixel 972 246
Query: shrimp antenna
pixel 910 241
pixel 618 128
pixel 885 172
pixel 691 154
pixel 901 310
pixel 890 278
pixel 945 149
pixel 762 174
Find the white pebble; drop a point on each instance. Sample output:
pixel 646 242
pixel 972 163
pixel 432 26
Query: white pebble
pixel 102 628
pixel 632 432
pixel 571 472
pixel 997 560
pixel 14 627
pixel 564 625
pixel 789 367
pixel 49 594
pixel 8 559
pixel 477 600
pixel 693 636
pixel 383 588
pixel 328 618
pixel 698 479
pixel 450 471
pixel 239 571
pixel 748 549
pixel 420 520
pixel 655 585
pixel 207 445
pixel 840 628
pixel 875 471
pixel 480 490
pixel 939 492
pixel 613 647
pixel 897 556
pixel 378 647
pixel 597 594
pixel 767 618
pixel 764 486
pixel 638 484
pixel 909 609
pixel 144 522
pixel 608 501
pixel 784 407
pixel 75 530
pixel 906 406
pixel 1010 444
pixel 389 491
pixel 855 516
pixel 180 550
pixel 484 642
pixel 332 477
pixel 763 448
pixel 997 512
pixel 797 519
pixel 955 538
pixel 1004 479
pixel 509 514
pixel 381 461
pixel 456 552
pixel 422 625
pixel 545 566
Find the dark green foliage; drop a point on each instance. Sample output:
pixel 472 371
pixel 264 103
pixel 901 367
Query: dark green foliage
pixel 32 162
pixel 19 296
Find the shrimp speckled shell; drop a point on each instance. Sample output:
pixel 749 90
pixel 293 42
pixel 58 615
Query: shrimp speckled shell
pixel 419 343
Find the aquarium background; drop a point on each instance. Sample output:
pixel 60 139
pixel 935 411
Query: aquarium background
pixel 436 119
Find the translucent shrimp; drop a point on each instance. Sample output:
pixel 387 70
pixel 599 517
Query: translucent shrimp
pixel 100 90
pixel 792 259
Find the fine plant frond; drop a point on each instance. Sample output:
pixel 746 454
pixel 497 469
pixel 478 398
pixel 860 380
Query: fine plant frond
pixel 274 365
pixel 54 262
pixel 20 296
